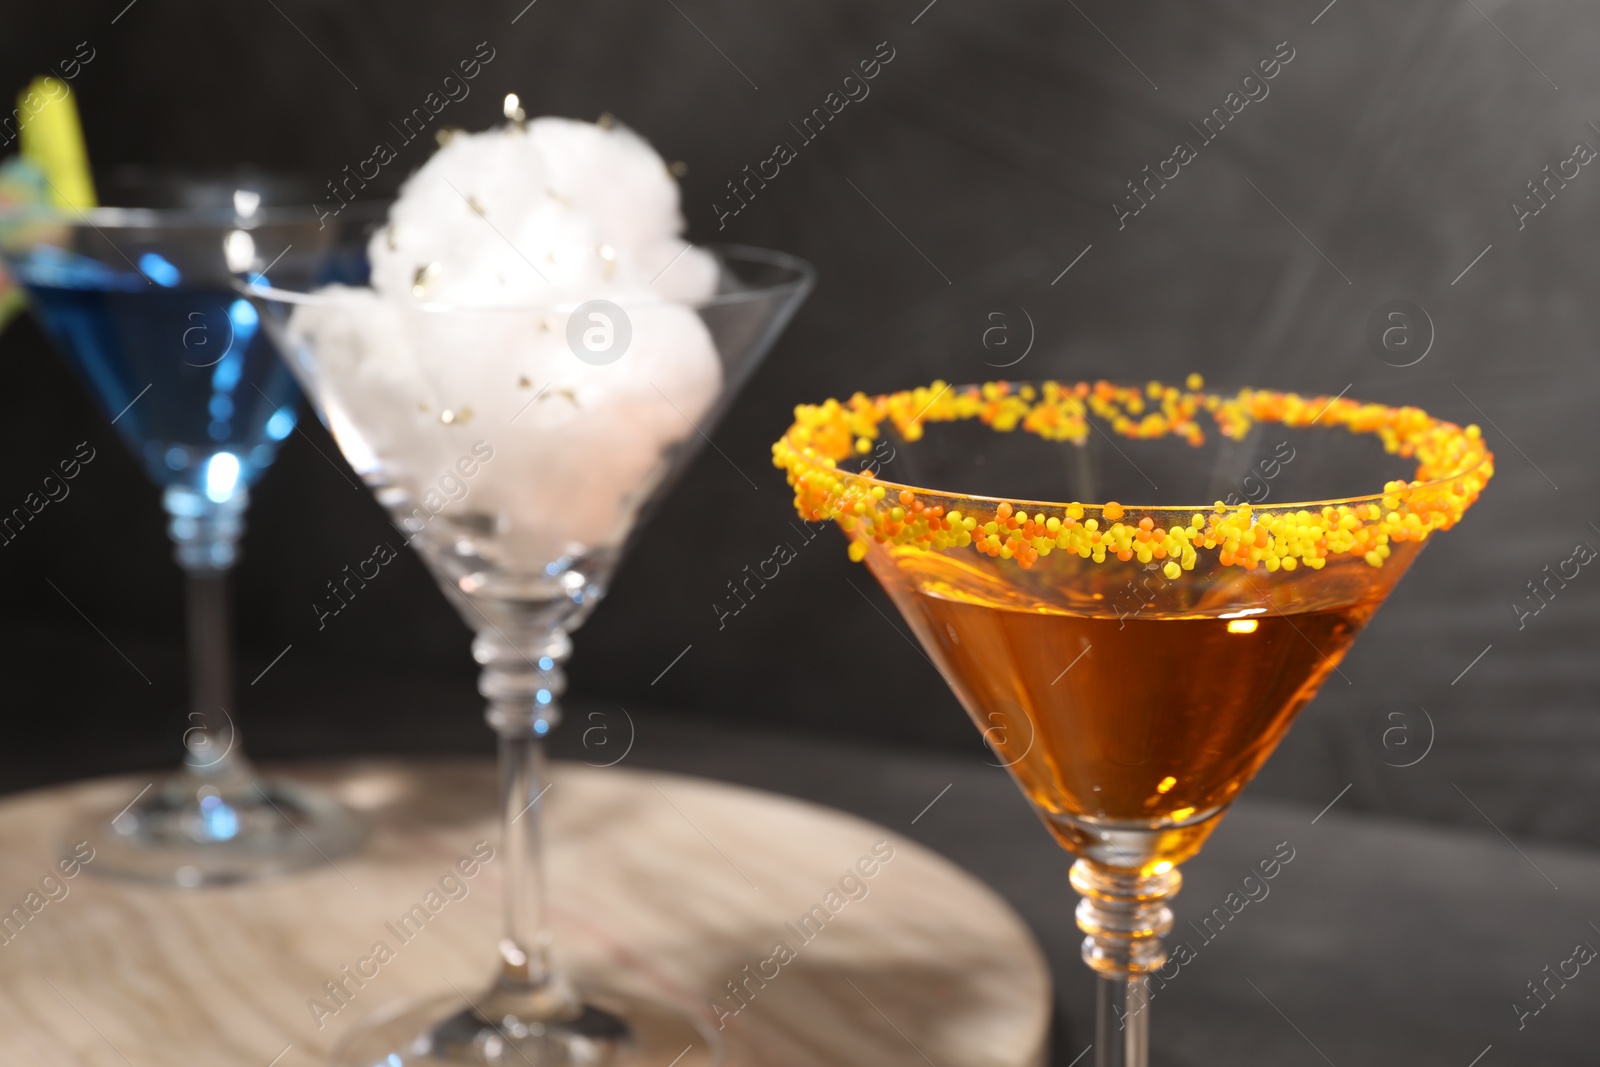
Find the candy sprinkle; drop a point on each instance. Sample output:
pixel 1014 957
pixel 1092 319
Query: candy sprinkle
pixel 1453 466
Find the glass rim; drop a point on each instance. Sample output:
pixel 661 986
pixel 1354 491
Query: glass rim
pixel 802 276
pixel 176 218
pixel 890 486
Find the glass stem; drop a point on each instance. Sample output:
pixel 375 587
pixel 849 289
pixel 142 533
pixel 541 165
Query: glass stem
pixel 525 944
pixel 1121 1023
pixel 210 737
pixel 521 679
pixel 205 535
pixel 1124 914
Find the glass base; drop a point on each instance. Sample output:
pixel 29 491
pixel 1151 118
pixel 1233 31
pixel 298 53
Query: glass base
pixel 191 831
pixel 612 1030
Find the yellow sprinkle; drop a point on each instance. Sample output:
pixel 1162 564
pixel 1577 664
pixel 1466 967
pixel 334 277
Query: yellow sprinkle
pixel 1452 465
pixel 1172 571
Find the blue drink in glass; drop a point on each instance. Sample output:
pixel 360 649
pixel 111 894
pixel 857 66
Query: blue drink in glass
pixel 147 306
pixel 197 392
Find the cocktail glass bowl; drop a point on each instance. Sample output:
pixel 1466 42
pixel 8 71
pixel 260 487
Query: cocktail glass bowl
pixel 1131 661
pixel 141 302
pixel 517 448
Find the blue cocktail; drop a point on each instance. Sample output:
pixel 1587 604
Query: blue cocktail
pixel 196 391
pixel 145 304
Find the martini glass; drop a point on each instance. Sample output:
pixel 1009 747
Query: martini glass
pixel 140 302
pixel 1133 665
pixel 502 464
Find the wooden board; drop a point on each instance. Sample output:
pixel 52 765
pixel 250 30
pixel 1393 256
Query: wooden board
pixel 663 884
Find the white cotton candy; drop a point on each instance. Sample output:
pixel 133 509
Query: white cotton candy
pixel 461 347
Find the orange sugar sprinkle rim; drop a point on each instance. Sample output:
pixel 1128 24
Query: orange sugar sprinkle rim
pixel 1453 466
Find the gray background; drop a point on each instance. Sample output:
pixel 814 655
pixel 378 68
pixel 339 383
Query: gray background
pixel 983 163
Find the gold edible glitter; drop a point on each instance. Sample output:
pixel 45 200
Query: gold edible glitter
pixel 424 277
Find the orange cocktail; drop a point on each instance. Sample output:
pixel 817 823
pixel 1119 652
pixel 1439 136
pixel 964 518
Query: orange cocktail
pixel 1133 664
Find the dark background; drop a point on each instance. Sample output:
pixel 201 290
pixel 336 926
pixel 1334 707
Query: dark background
pixel 982 164
pixel 995 141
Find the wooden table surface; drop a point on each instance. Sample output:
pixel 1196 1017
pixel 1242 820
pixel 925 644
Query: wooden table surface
pixel 661 883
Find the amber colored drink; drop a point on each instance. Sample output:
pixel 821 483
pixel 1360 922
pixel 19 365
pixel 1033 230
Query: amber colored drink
pixel 1113 703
